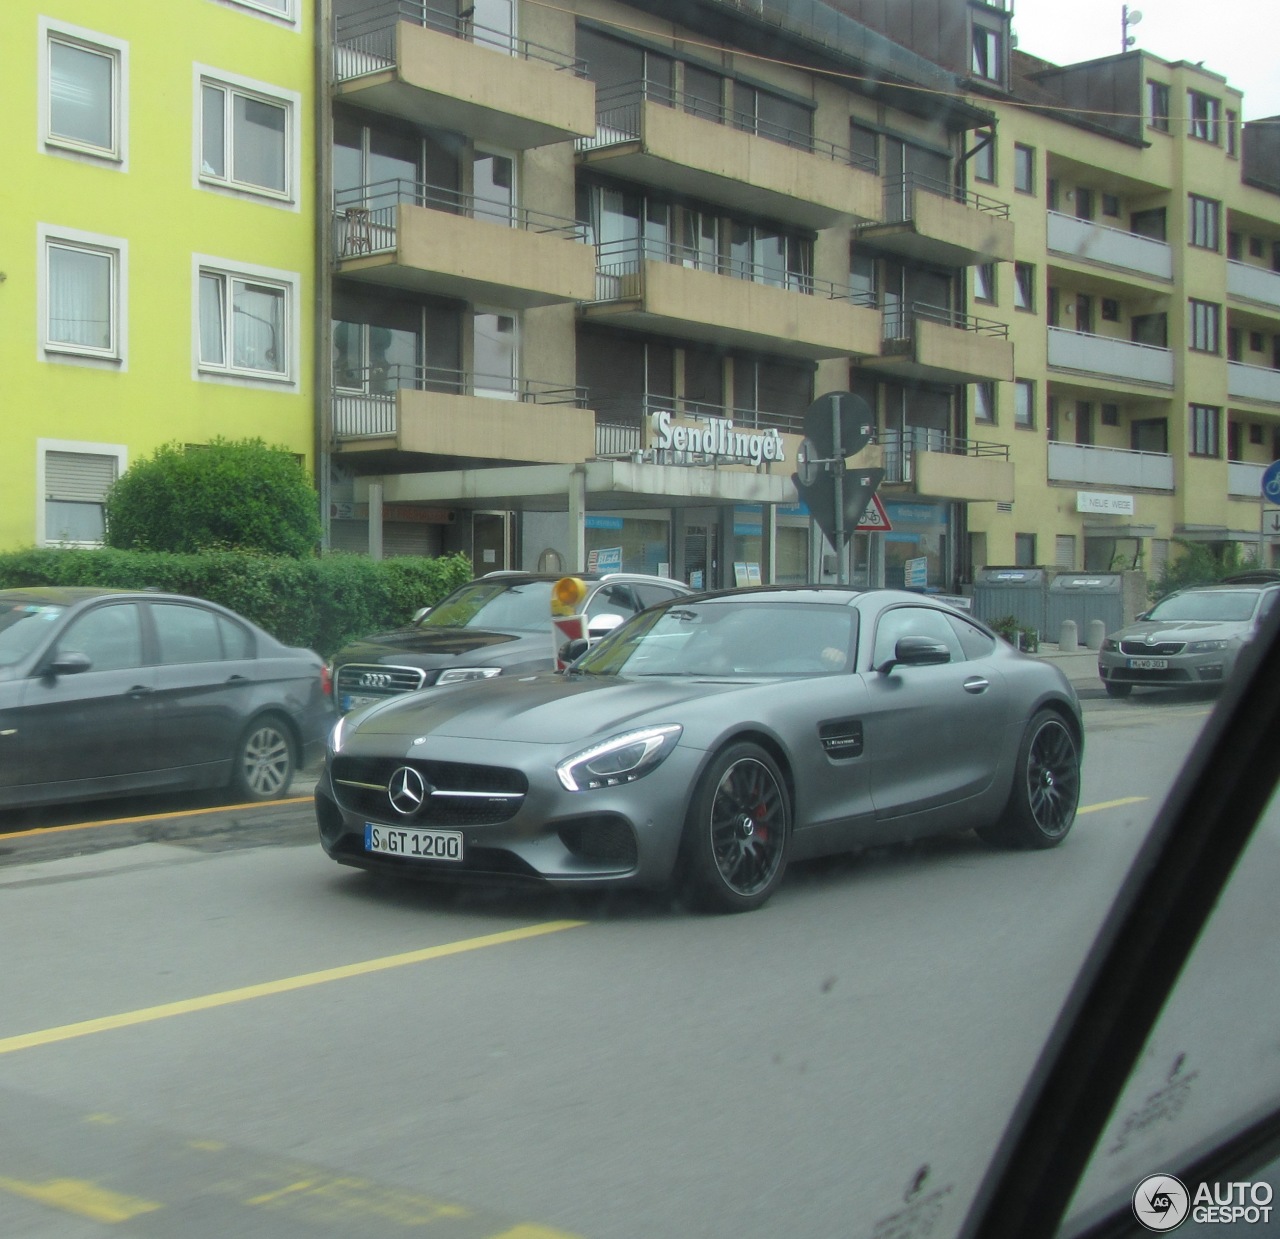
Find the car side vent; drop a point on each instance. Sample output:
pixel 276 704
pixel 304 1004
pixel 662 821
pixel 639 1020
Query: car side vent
pixel 841 738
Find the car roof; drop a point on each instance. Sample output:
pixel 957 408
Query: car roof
pixel 835 595
pixel 592 578
pixel 59 595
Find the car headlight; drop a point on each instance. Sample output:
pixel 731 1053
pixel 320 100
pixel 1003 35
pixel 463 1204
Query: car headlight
pixel 338 736
pixel 1111 645
pixel 456 675
pixel 1206 647
pixel 622 759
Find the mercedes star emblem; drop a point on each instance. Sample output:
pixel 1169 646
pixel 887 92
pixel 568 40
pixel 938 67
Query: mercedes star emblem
pixel 407 790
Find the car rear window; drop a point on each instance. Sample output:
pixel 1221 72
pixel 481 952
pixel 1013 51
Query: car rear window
pixel 500 606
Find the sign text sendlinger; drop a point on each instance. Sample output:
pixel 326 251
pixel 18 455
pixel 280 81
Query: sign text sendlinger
pixel 717 437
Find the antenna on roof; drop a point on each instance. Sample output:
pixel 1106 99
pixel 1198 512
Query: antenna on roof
pixel 1128 17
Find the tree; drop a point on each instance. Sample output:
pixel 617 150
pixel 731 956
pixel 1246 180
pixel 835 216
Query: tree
pixel 1199 563
pixel 230 495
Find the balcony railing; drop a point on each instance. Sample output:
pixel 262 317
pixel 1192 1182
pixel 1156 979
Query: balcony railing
pixel 1105 355
pixel 1245 382
pixel 365 217
pixel 1089 242
pixel 364 400
pixel 899 197
pixel 622 423
pixel 1244 479
pixel 1253 283
pixel 619 119
pixel 619 265
pixel 1110 466
pixel 902 446
pixel 900 321
pixel 365 42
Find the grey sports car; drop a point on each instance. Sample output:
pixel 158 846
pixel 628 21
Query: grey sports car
pixel 707 742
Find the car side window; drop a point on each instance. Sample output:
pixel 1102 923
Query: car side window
pixel 237 640
pixel 186 634
pixel 913 622
pixel 109 636
pixel 649 595
pixel 974 642
pixel 613 600
pixel 1268 601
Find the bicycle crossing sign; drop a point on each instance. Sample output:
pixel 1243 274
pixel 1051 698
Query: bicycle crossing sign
pixel 874 519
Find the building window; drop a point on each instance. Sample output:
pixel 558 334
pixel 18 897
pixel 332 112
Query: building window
pixel 1064 551
pixel 1255 434
pixel 1256 247
pixel 1024 550
pixel 1024 169
pixel 245 324
pixel 984 282
pixel 72 483
pixel 1203 113
pixel 988 54
pixel 1110 415
pixel 1205 317
pixel 1024 407
pixel 1233 134
pixel 1110 310
pixel 1149 224
pixel 246 138
pixel 1204 429
pixel 1024 286
pixel 83 92
pixel 82 295
pixel 1158 106
pixel 1111 205
pixel 983 159
pixel 771 116
pixel 982 402
pixel 273 8
pixel 1203 222
pixel 1256 342
pixel 864 147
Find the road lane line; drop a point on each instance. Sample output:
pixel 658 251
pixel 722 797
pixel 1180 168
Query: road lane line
pixel 152 817
pixel 82 1198
pixel 1111 804
pixel 206 1002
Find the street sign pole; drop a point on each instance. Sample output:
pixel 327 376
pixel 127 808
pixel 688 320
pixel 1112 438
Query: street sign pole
pixel 838 466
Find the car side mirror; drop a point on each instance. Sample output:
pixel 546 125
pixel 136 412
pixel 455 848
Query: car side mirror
pixel 602 625
pixel 571 651
pixel 916 652
pixel 70 663
pixel 420 613
pixel 1141 616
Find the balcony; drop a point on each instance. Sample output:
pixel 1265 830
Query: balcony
pixel 934 463
pixel 1260 383
pixel 1108 358
pixel 1244 480
pixel 1083 241
pixel 408 235
pixel 623 427
pixel 405 58
pixel 1254 284
pixel 401 411
pixel 672 291
pixel 1110 466
pixel 929 221
pixel 654 136
pixel 940 345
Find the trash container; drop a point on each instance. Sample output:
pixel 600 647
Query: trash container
pixel 1085 596
pixel 1019 592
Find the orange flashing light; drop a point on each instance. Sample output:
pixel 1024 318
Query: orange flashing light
pixel 567 595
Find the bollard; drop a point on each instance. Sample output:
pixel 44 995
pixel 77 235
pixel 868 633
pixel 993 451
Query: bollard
pixel 1095 634
pixel 1067 642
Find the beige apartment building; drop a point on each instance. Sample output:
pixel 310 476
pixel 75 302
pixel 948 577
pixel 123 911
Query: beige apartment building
pixel 592 261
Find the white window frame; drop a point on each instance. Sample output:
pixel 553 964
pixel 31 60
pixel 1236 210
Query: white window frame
pixel 116 156
pixel 262 8
pixel 43 448
pixel 289 283
pixel 113 357
pixel 234 84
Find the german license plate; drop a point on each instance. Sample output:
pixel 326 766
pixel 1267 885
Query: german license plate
pixel 353 701
pixel 1148 664
pixel 421 844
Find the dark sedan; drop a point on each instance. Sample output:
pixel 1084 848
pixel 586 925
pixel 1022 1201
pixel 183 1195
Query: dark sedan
pixel 107 692
pixel 707 742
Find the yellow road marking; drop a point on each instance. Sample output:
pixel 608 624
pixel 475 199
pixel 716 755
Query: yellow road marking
pixel 82 1197
pixel 206 1002
pixel 152 817
pixel 1111 804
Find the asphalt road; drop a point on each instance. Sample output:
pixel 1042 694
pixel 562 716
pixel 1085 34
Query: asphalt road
pixel 208 1029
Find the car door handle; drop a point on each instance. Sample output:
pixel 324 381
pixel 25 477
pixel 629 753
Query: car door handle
pixel 139 690
pixel 237 679
pixel 976 684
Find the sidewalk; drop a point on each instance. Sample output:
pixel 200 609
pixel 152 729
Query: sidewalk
pixel 1081 668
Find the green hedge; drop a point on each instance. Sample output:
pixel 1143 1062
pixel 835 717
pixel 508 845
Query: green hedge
pixel 320 603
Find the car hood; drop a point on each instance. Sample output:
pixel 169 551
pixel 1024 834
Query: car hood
pixel 546 708
pixel 439 647
pixel 1183 630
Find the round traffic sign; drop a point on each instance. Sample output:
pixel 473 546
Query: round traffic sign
pixel 1271 483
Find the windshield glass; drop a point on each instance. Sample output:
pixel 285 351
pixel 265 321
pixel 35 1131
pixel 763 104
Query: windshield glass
pixel 22 626
pixel 1207 604
pixel 499 606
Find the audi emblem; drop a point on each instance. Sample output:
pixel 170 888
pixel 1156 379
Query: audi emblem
pixel 375 679
pixel 407 790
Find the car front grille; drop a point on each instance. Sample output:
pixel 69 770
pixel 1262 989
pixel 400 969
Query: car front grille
pixel 373 680
pixel 1161 649
pixel 461 794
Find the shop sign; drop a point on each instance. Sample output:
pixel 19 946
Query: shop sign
pixel 717 436
pixel 1107 505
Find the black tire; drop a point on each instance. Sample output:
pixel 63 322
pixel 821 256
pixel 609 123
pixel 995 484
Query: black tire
pixel 738 832
pixel 1116 689
pixel 1046 787
pixel 264 760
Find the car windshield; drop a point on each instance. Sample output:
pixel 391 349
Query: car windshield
pixel 729 637
pixel 499 606
pixel 1226 606
pixel 22 625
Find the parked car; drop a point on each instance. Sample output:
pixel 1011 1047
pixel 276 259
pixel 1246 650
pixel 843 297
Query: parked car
pixel 499 624
pixel 106 692
pixel 707 742
pixel 1192 636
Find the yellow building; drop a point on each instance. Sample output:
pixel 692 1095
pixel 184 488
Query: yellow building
pixel 1144 307
pixel 157 242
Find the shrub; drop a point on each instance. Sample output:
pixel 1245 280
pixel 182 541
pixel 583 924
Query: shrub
pixel 321 602
pixel 1198 563
pixel 229 495
pixel 1018 636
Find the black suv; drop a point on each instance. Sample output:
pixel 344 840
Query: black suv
pixel 499 624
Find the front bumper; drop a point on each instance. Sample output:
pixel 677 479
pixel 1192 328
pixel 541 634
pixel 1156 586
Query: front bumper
pixel 1178 671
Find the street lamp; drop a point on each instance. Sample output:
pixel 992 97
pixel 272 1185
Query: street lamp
pixel 1128 17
